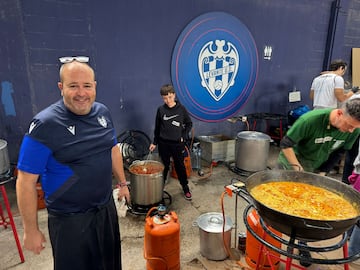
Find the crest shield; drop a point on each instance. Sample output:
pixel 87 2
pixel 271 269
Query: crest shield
pixel 218 65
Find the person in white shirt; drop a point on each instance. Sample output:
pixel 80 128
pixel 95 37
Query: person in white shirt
pixel 327 89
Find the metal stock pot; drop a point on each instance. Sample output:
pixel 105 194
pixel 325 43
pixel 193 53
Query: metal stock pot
pixel 252 150
pixel 4 158
pixel 303 228
pixel 146 187
pixel 211 227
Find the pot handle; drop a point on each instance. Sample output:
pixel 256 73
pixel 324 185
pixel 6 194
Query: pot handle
pixel 328 226
pixel 239 188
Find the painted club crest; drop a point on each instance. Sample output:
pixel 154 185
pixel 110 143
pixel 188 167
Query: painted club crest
pixel 218 64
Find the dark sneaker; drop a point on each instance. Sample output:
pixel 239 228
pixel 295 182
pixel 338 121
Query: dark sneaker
pixel 306 255
pixel 188 196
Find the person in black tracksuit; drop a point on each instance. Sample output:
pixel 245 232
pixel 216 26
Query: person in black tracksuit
pixel 172 126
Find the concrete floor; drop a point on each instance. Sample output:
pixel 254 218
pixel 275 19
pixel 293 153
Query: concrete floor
pixel 206 192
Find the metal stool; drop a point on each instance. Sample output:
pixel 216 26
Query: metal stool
pixel 5 221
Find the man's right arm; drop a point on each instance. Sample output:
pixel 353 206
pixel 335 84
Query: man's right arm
pixel 292 159
pixel 341 96
pixel 286 145
pixel 339 91
pixel 27 202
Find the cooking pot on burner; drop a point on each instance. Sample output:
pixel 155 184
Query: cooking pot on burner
pixel 146 187
pixel 252 151
pixel 298 227
pixel 4 158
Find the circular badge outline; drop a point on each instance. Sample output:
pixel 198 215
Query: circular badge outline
pixel 248 45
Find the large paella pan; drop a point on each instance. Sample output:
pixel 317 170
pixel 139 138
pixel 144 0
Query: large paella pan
pixel 302 227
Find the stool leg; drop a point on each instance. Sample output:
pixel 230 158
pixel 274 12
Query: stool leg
pixel 7 205
pixel 3 220
pixel 254 125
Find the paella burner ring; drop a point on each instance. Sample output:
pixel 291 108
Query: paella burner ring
pixel 239 171
pixel 138 209
pixel 288 245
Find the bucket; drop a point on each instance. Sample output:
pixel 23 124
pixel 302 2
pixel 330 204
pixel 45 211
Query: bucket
pixel 252 151
pixel 4 158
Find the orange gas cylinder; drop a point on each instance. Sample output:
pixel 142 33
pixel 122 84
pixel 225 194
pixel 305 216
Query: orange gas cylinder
pixel 187 163
pixel 162 240
pixel 253 246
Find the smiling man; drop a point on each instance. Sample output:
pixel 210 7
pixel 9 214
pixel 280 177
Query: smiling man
pixel 78 87
pixel 72 146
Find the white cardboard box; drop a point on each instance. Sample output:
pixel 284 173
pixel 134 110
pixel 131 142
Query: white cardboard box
pixel 217 148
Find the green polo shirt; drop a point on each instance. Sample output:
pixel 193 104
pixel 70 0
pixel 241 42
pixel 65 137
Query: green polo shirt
pixel 315 139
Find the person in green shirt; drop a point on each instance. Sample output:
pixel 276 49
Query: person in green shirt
pixel 318 138
pixel 316 142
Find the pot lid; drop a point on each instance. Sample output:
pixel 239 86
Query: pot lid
pixel 213 222
pixel 253 135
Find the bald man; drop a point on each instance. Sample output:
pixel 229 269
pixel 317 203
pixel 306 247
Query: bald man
pixel 71 148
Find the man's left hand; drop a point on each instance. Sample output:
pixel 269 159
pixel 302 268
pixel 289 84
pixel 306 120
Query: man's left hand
pixel 124 192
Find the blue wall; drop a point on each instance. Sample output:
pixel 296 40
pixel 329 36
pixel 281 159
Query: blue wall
pixel 130 45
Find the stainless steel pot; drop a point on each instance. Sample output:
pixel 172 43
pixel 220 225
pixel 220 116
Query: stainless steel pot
pixel 4 158
pixel 252 151
pixel 211 235
pixel 146 188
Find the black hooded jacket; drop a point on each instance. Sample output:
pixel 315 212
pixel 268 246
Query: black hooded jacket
pixel 172 124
